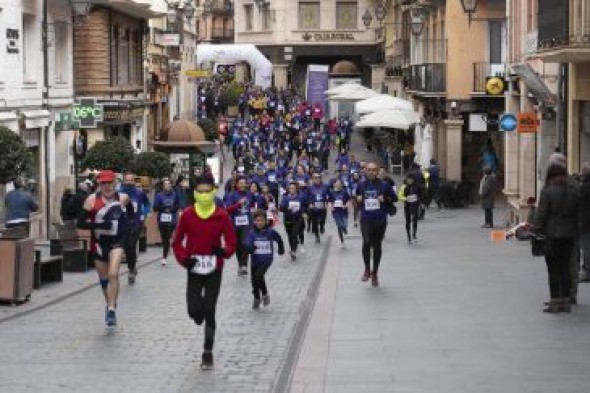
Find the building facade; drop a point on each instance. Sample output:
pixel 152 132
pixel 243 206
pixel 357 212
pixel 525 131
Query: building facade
pixel 43 122
pixel 295 34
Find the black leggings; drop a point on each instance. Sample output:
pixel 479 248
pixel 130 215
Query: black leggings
pixel 318 221
pixel 412 213
pixel 373 233
pixel 165 235
pixel 558 256
pixel 201 299
pixel 294 229
pixel 241 250
pixel 257 279
pixel 131 247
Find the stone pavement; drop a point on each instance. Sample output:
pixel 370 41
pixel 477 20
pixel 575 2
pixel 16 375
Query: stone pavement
pixel 156 348
pixel 455 313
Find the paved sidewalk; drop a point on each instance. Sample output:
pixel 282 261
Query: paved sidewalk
pixel 455 313
pixel 72 284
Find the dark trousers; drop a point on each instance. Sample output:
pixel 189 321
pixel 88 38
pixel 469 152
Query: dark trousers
pixel 257 272
pixel 293 229
pixel 131 247
pixel 318 221
pixel 202 292
pixel 165 235
pixel 241 250
pixel 373 233
pixel 412 213
pixel 325 160
pixel 489 216
pixel 558 255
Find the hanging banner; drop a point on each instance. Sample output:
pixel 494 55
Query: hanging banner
pixel 316 83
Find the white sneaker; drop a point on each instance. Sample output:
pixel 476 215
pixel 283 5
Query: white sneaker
pixel 164 262
pixel 343 245
pixel 302 250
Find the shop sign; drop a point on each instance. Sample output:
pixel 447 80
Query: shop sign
pixel 87 112
pixel 508 122
pixel 528 122
pixel 63 121
pixel 333 36
pixel 122 115
pixel 167 39
pixel 197 73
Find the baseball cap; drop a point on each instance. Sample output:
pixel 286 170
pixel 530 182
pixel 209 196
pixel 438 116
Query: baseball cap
pixel 106 176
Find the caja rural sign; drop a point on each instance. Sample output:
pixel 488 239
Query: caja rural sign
pixel 87 112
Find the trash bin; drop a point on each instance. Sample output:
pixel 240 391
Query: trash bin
pixel 17 260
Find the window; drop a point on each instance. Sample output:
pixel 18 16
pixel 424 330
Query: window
pixel 249 17
pixel 31 138
pixel 495 41
pixel 346 15
pixel 60 47
pixel 265 17
pixel 309 15
pixel 114 43
pixel 123 57
pixel 126 51
pixel 28 48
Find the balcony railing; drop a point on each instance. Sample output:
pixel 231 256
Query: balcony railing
pixel 222 34
pixel 427 78
pixel 483 70
pixel 219 7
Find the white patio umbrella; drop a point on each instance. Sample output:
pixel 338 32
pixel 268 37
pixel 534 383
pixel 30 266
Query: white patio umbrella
pixel 387 118
pixel 357 94
pixel 341 88
pixel 380 102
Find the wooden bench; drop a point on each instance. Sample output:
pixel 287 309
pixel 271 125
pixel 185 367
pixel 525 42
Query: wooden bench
pixel 47 269
pixel 72 248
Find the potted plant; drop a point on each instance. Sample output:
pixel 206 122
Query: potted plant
pixel 116 154
pixel 229 98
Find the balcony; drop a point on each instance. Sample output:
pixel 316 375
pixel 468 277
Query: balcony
pixel 484 70
pixel 222 35
pixel 219 7
pixel 562 38
pixel 427 79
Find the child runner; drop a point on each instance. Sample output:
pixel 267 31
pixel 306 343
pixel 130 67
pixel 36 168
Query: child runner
pixel 259 243
pixel 292 206
pixel 338 199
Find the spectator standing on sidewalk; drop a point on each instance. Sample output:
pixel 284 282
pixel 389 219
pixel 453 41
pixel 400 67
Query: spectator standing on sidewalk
pixel 585 221
pixel 69 208
pixel 487 188
pixel 558 219
pixel 19 205
pixel 198 247
pixel 374 196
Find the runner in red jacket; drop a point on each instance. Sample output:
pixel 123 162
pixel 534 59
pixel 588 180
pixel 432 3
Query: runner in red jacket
pixel 199 248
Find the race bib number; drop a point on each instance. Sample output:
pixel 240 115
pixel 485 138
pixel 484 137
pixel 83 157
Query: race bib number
pixel 301 183
pixel 294 206
pixel 319 205
pixel 272 178
pixel 309 141
pixel 412 198
pixel 166 217
pixel 338 203
pixel 135 206
pixel 371 204
pixel 241 220
pixel 262 247
pixel 204 264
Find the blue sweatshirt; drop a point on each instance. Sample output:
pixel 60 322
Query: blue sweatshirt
pixel 260 243
pixel 339 199
pixel 166 204
pixel 240 213
pixel 317 196
pixel 293 207
pixel 140 202
pixel 19 203
pixel 371 208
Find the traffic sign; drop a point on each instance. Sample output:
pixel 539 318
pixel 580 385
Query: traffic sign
pixel 508 122
pixel 528 122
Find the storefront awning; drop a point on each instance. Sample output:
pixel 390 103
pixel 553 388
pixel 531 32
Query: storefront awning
pixel 9 119
pixel 36 118
pixel 535 84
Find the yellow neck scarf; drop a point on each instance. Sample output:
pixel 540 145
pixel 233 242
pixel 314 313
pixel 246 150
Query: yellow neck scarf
pixel 205 204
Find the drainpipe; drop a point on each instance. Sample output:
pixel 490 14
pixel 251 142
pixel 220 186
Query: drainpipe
pixel 45 96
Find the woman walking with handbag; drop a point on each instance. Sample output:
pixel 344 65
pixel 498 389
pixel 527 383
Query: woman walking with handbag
pixel 557 221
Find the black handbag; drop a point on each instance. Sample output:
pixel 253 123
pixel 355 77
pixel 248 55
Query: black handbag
pixel 538 245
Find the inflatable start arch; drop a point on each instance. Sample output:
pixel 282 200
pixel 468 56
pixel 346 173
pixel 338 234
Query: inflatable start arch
pixel 262 67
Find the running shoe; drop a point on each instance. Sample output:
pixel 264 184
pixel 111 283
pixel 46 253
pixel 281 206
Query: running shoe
pixel 111 318
pixel 255 304
pixel 164 262
pixel 207 361
pixel 131 276
pixel 374 279
pixel 293 256
pixel 243 271
pixel 265 300
pixel 317 240
pixel 366 276
pixel 302 250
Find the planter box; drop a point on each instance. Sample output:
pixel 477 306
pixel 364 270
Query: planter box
pixel 17 261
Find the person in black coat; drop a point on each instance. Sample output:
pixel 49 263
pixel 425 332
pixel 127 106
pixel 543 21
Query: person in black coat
pixel 557 220
pixel 68 207
pixel 487 190
pixel 585 221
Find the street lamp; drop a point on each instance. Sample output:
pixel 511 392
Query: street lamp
pixel 417 25
pixel 228 5
pixel 367 18
pixel 81 9
pixel 469 7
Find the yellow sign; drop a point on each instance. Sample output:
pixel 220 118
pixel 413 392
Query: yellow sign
pixel 198 73
pixel 495 86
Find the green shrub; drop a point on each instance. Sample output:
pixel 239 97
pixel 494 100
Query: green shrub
pixel 230 94
pixel 14 155
pixel 116 154
pixel 210 128
pixel 153 164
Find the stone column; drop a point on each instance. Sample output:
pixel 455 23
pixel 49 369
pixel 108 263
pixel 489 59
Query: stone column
pixel 454 141
pixel 526 156
pixel 280 74
pixel 441 151
pixel 377 76
pixel 511 153
pixel 573 119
